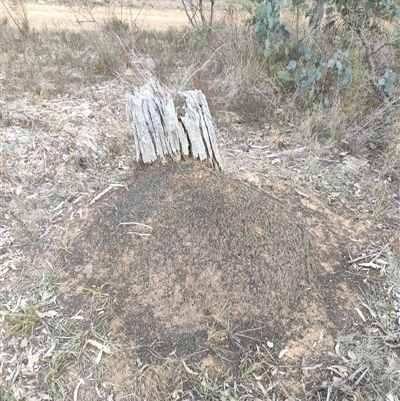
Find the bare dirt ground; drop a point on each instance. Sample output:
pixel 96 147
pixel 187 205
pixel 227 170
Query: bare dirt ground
pixel 213 243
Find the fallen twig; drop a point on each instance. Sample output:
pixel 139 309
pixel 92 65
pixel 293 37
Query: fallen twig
pixel 137 224
pixel 373 254
pixel 287 152
pixel 80 381
pixel 109 188
pixel 301 193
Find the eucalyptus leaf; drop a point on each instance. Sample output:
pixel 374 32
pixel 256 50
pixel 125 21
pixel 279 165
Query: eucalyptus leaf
pixel 284 76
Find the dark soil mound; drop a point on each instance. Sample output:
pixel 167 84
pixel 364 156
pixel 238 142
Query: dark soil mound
pixel 215 245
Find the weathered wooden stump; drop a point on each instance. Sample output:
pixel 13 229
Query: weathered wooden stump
pixel 171 124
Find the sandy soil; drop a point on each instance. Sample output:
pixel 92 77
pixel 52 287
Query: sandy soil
pixel 149 17
pixel 213 241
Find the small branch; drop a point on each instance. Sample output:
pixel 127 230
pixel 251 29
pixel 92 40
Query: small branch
pixel 81 21
pixel 212 12
pixel 134 223
pixel 12 18
pixel 80 381
pixel 287 152
pixel 109 188
pixel 112 35
pixel 200 68
pixel 270 101
pixel 203 19
pixel 370 62
pixel 380 47
pixel 187 14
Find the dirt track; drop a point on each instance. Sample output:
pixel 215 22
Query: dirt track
pixel 42 15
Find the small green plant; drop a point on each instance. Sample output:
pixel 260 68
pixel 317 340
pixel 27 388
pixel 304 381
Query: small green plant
pixel 106 341
pixel 248 367
pixel 55 375
pixel 96 292
pixel 67 242
pixel 47 277
pixel 59 361
pixel 74 345
pixel 267 25
pixel 211 387
pixel 8 397
pixel 322 72
pixel 387 82
pixel 21 323
pixel 319 77
pixel 220 327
